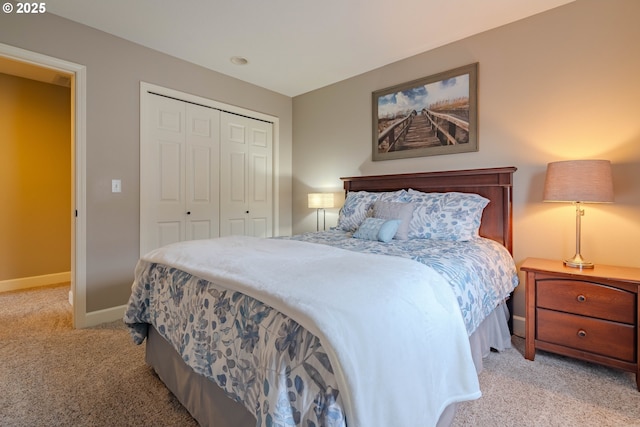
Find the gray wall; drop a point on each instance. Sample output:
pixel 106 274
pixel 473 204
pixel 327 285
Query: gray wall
pixel 559 85
pixel 115 68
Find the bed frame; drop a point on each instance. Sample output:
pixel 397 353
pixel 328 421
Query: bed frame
pixel 495 184
pixel 206 401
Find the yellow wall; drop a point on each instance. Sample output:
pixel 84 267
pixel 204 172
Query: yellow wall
pixel 35 172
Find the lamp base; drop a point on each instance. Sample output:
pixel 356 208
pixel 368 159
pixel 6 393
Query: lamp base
pixel 578 262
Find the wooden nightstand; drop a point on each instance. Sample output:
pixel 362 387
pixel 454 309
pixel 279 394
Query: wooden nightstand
pixel 589 314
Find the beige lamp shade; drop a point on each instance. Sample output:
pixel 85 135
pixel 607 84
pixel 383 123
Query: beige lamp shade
pixel 321 200
pixel 585 181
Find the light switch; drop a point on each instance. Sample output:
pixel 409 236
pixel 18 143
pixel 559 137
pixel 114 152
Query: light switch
pixel 116 186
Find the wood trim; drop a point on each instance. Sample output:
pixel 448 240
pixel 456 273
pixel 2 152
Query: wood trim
pixel 35 281
pixel 78 169
pixel 530 310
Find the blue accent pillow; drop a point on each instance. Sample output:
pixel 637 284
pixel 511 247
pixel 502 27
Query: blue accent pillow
pixel 379 229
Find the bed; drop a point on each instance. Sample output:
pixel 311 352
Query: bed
pixel 327 373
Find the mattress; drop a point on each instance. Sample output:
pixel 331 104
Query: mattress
pixel 481 272
pixel 316 378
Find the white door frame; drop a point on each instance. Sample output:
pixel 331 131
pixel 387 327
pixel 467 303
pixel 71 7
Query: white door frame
pixel 182 96
pixel 78 171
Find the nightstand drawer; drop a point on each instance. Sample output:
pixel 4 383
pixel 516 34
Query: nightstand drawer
pixel 602 337
pixel 587 299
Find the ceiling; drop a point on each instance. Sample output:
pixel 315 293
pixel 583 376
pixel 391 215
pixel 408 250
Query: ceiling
pixel 296 46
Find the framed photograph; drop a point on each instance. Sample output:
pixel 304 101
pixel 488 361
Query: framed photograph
pixel 426 117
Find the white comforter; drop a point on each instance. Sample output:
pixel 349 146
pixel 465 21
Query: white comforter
pixel 349 300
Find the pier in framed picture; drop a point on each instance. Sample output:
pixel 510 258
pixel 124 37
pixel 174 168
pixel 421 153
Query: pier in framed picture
pixel 426 117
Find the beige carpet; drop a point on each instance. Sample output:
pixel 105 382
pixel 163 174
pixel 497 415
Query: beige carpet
pixel 52 375
pixel 550 391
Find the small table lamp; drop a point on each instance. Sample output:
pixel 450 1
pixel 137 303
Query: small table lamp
pixel 579 181
pixel 321 201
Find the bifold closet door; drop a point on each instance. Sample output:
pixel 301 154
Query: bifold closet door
pixel 246 176
pixel 179 172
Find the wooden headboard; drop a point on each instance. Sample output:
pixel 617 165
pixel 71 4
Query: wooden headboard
pixel 496 184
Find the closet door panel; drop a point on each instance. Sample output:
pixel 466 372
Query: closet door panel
pixel 236 227
pixel 237 175
pixel 199 229
pixel 202 171
pixel 246 176
pixel 234 150
pixel 162 174
pixel 261 179
pixel 170 172
pixel 260 227
pixel 179 172
pixel 168 232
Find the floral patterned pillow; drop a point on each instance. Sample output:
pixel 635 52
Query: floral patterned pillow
pixel 446 216
pixel 359 205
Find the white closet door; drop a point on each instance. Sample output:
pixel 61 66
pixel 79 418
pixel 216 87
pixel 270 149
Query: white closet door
pixel 202 172
pixel 179 179
pixel 162 198
pixel 246 186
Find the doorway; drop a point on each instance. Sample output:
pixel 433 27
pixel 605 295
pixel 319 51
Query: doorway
pixel 77 75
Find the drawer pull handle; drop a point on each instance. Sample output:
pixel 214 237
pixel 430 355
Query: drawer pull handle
pixel 582 333
pixel 581 298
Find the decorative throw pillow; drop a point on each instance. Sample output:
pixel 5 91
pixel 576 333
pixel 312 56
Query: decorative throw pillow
pixel 355 209
pixel 395 210
pixel 446 216
pixel 377 229
pixel 357 206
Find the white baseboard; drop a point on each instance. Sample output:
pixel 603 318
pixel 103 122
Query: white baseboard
pixel 107 315
pixel 519 326
pixel 34 281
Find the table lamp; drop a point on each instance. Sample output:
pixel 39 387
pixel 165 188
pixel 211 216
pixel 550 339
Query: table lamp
pixel 578 182
pixel 321 201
